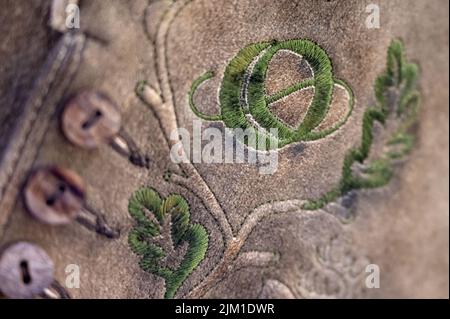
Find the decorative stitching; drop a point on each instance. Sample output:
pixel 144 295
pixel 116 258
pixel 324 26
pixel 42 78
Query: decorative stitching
pixel 238 76
pixel 232 88
pixel 400 77
pixel 142 238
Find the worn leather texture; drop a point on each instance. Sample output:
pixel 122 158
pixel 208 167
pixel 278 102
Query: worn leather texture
pixel 261 240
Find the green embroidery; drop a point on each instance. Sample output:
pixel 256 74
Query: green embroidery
pixel 151 214
pixel 400 79
pixel 238 77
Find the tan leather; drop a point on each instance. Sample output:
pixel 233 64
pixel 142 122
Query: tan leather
pixel 261 242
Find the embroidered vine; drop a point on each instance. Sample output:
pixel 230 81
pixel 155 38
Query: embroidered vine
pixel 396 98
pixel 359 170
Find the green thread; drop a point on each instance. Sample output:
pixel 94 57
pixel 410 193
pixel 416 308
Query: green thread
pixel 400 76
pixel 292 89
pixel 208 75
pixel 321 134
pixel 233 112
pixel 142 237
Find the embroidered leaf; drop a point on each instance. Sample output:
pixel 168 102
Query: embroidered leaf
pixel 169 245
pixel 396 98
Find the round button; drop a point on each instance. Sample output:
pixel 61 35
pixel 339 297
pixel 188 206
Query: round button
pixel 25 270
pixel 54 195
pixel 90 119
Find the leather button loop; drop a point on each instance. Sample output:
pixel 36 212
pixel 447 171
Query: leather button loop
pixel 25 271
pixel 56 196
pixel 91 119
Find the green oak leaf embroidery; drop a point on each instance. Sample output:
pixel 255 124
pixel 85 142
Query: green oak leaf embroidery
pixel 170 246
pixel 397 99
pixel 246 75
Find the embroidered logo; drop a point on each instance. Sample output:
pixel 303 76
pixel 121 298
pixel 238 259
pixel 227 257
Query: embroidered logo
pixel 245 103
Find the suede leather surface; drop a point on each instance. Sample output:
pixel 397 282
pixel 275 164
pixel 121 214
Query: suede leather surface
pixel 291 252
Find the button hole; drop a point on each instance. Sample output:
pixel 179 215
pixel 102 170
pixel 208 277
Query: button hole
pixel 92 120
pixel 50 201
pixel 26 277
pixel 62 188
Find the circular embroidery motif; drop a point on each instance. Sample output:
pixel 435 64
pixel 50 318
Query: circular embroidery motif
pixel 245 103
